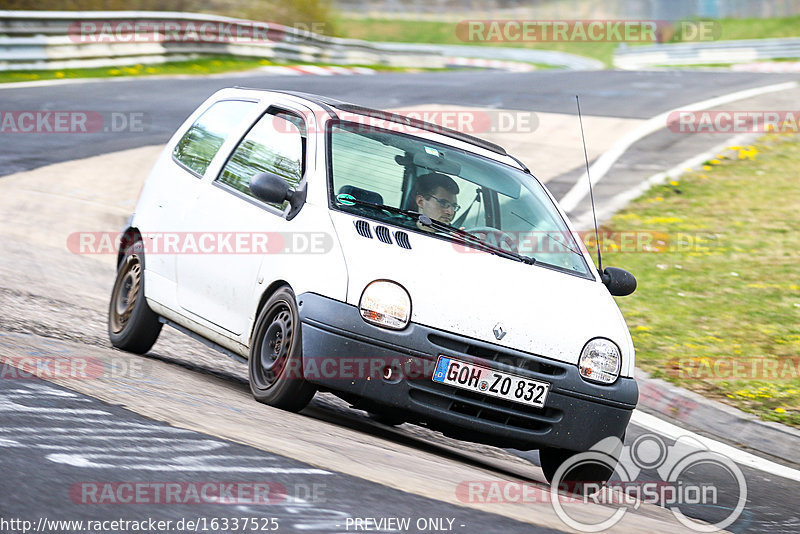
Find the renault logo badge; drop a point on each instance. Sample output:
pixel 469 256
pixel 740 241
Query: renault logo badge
pixel 499 333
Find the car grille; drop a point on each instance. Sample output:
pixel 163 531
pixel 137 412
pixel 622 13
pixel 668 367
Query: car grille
pixel 483 407
pixel 509 361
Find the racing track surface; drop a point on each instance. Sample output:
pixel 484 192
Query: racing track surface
pixel 54 303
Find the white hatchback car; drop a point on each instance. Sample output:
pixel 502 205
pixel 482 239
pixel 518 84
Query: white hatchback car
pixel 419 273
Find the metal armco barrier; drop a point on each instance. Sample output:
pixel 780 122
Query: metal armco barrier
pixel 55 40
pixel 716 52
pixel 59 39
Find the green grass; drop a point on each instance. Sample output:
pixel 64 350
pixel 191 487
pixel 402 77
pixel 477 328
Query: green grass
pixel 200 66
pixel 733 29
pixel 726 285
pixel 411 31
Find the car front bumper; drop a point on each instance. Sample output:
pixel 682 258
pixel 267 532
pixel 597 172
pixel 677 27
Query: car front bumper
pixel 344 354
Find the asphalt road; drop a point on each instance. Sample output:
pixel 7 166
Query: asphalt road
pixel 39 466
pixel 163 104
pixel 67 457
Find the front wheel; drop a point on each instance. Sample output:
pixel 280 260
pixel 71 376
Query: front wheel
pixel 275 364
pixel 584 472
pixel 132 325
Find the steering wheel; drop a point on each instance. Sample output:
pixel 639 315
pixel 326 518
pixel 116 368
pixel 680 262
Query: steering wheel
pixel 500 238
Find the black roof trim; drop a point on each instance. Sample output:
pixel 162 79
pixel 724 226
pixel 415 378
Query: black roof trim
pixel 327 103
pixel 422 125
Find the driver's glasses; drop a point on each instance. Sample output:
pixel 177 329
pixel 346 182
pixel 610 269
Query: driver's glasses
pixel 445 204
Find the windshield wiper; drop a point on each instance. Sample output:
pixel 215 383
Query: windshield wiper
pixel 350 200
pixel 474 240
pixel 465 237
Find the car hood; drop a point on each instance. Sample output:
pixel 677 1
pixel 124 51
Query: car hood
pixel 471 293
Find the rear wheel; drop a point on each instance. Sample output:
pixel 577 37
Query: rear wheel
pixel 132 325
pixel 275 364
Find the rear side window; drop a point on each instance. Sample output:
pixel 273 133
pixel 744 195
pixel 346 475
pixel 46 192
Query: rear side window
pixel 275 144
pixel 201 142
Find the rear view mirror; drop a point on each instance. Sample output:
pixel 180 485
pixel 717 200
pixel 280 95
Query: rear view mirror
pixel 618 281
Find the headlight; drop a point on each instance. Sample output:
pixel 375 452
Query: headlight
pixel 386 304
pixel 600 361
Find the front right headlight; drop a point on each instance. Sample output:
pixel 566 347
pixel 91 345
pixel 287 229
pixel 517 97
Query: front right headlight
pixel 600 361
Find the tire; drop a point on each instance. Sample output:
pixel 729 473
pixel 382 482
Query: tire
pixel 576 478
pixel 132 325
pixel 276 364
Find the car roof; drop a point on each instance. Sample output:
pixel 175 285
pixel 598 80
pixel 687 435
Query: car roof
pixel 327 103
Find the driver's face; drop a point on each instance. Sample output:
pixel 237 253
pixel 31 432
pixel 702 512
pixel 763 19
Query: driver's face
pixel 433 208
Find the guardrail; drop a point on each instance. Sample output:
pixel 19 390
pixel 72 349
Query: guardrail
pixel 57 40
pixel 718 52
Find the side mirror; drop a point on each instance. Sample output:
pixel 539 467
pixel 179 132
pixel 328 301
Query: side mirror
pixel 270 188
pixel 273 189
pixel 618 281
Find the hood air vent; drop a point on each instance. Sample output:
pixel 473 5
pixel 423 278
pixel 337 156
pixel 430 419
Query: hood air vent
pixel 362 227
pixel 383 234
pixel 401 238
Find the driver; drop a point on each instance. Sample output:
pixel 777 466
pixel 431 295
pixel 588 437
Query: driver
pixel 436 198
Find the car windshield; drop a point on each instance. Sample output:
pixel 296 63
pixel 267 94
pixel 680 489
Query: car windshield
pixel 501 205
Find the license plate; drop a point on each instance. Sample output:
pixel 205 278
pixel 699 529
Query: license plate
pixel 490 382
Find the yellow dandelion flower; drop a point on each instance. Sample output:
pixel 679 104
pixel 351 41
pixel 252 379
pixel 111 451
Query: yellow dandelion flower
pixel 59 74
pixel 780 410
pixel 706 167
pixel 714 162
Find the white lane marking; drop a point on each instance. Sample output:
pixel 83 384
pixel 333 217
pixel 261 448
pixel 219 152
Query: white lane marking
pixel 585 220
pixel 604 163
pixel 59 430
pixel 100 437
pixel 6 406
pixel 38 390
pixel 78 460
pixel 189 446
pixel 737 455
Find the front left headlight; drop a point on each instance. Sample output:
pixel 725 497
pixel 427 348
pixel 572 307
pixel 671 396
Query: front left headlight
pixel 600 361
pixel 387 304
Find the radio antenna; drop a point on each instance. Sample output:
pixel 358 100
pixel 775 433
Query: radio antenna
pixel 591 193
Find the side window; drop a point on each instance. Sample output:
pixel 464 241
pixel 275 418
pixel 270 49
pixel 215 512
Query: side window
pixel 201 142
pixel 275 144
